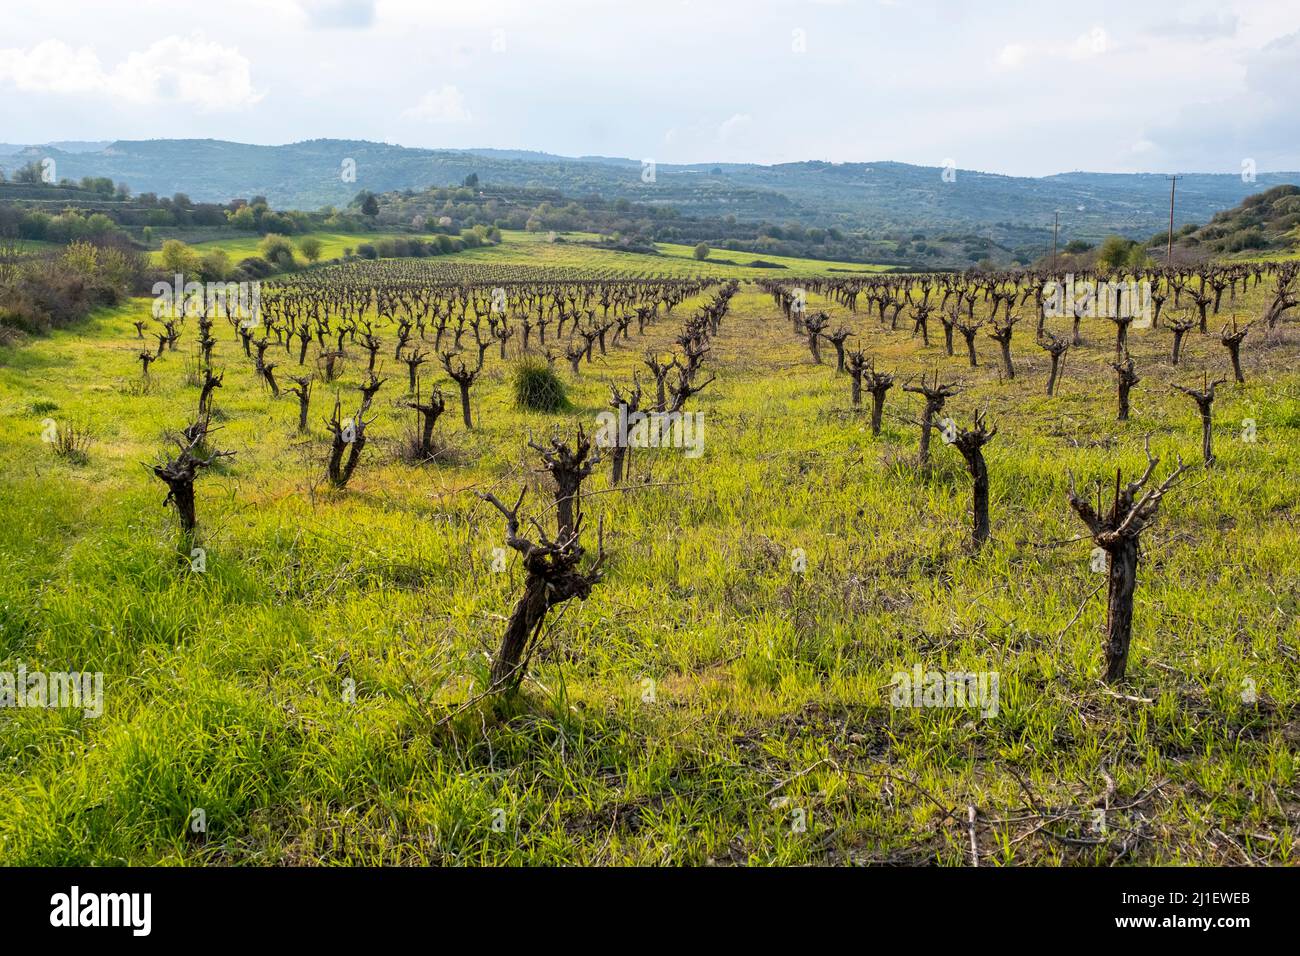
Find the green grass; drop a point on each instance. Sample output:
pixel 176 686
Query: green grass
pixel 538 249
pixel 332 244
pixel 34 245
pixel 538 387
pixel 706 695
pixel 792 265
pixel 675 260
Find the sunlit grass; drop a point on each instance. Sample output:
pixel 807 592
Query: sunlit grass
pixel 304 690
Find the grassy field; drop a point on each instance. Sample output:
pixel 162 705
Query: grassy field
pixel 538 248
pixel 708 703
pixel 34 246
pixel 332 244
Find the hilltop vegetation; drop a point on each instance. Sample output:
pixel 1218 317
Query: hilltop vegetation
pixel 62 211
pixel 622 224
pixel 1267 221
pixel 884 196
pixel 890 213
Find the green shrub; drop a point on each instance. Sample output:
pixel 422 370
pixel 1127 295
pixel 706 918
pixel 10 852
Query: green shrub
pixel 277 250
pixel 175 256
pixel 254 267
pixel 1115 253
pixel 214 266
pixel 311 248
pixel 537 387
pixel 1250 238
pixel 41 294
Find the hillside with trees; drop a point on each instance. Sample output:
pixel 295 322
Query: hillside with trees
pixel 1009 210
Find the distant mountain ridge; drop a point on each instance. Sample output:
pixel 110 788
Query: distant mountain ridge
pixel 878 197
pixel 67 146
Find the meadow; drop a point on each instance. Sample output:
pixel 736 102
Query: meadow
pixel 315 695
pixel 566 250
pixel 333 244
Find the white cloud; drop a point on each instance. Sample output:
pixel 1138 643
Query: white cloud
pixel 734 125
pixel 1012 56
pixel 1093 43
pixel 172 70
pixel 1255 118
pixel 443 105
pixel 203 73
pixel 51 67
pixel 1223 92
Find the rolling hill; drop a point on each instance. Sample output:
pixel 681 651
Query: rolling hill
pixel 1267 221
pixel 875 196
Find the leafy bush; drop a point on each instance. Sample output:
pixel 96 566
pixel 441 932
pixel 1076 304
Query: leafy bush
pixel 177 257
pixel 214 266
pixel 277 250
pixel 254 267
pixel 47 293
pixel 1118 252
pixel 1242 239
pixel 310 247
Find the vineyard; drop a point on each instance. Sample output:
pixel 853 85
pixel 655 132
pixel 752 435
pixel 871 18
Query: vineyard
pixel 369 580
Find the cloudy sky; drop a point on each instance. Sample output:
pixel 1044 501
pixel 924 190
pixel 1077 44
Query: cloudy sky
pixel 1028 88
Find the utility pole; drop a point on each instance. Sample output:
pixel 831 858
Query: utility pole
pixel 1169 250
pixel 1055 228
